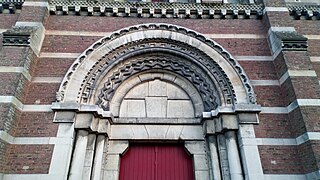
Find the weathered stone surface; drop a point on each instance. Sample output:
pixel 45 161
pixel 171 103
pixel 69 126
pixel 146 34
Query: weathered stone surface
pixel 132 108
pixel 180 108
pixel 156 106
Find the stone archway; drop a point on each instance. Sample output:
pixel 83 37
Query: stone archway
pixel 150 66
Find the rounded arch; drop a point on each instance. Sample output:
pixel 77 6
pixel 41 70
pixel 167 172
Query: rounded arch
pixel 184 87
pixel 200 54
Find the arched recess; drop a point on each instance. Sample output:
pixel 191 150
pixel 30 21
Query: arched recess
pixel 100 81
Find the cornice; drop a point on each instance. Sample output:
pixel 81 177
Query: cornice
pixel 309 12
pixel 18 36
pixel 156 10
pixel 10 6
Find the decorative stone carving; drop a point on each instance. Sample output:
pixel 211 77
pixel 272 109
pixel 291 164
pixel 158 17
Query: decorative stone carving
pixel 96 70
pixel 10 6
pixel 157 10
pixel 307 11
pixel 292 41
pixel 155 62
pixel 18 36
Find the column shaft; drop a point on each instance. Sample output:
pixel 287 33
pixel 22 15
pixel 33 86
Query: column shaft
pixel 214 157
pixel 79 155
pixel 233 156
pixel 98 158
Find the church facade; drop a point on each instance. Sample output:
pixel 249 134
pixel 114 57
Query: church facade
pixel 160 90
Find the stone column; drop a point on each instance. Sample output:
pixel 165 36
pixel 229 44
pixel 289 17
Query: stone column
pixel 98 158
pixel 233 156
pixel 79 154
pixel 214 157
pixel 224 163
pixel 90 153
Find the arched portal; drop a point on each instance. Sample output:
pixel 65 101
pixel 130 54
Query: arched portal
pixel 158 83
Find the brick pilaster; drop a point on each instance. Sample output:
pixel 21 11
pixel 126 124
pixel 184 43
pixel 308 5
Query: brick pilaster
pixel 298 81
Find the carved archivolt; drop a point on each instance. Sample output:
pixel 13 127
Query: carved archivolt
pixel 205 88
pixel 137 54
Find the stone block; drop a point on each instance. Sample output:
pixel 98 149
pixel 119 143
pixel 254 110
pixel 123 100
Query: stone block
pixel 156 131
pixel 121 132
pixel 192 132
pixel 209 127
pixel 64 116
pixel 200 162
pixel 174 132
pixel 83 121
pixel 111 175
pixel 248 118
pixel 169 77
pixel 201 175
pixel 175 92
pixel 157 88
pixel 139 91
pixel 112 162
pixel 145 77
pixel 180 108
pixel 195 147
pixel 132 108
pixel 156 106
pixel 229 121
pixel 116 147
pixel 140 132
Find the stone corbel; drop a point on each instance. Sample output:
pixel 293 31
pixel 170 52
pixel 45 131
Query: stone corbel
pixel 90 117
pixel 227 118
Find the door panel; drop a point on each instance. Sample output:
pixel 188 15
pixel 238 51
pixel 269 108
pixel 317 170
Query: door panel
pixel 156 162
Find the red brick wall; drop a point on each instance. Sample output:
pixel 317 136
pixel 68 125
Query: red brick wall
pixel 313 47
pixel 259 70
pixel 36 124
pixel 8 20
pixel 269 96
pixel 274 126
pixel 53 67
pixel 280 160
pixel 110 24
pixel 41 93
pixel 28 159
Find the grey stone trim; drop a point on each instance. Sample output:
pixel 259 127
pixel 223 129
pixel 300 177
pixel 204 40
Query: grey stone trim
pixel 285 177
pixel 11 6
pixel 18 36
pixel 59 55
pixel 165 28
pixel 80 108
pixel 158 10
pixel 25 34
pixel 275 9
pixel 36 3
pixel 313 175
pixel 309 12
pixel 156 132
pixel 287 41
pixel 246 113
pixel 47 79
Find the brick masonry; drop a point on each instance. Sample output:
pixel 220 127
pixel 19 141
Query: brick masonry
pixel 28 159
pixel 110 24
pixel 281 160
pixel 36 124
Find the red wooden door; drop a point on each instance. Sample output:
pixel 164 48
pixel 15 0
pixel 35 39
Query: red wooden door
pixel 156 162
